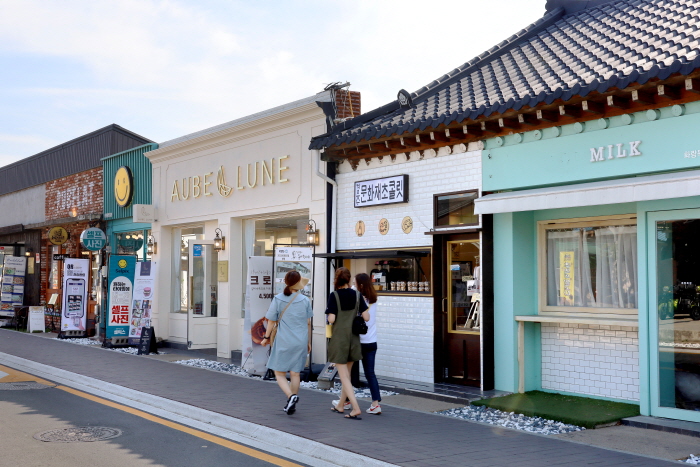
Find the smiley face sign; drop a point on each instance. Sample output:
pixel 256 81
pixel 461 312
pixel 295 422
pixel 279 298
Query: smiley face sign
pixel 123 186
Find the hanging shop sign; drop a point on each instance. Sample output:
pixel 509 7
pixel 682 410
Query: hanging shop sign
pixel 74 304
pixel 12 273
pixel 257 300
pixel 58 235
pixel 120 290
pixel 389 190
pixel 123 186
pixel 93 239
pixel 142 300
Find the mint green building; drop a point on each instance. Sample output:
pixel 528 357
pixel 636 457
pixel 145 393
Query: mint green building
pixel 596 231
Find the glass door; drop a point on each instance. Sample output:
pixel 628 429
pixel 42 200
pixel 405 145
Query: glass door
pixel 463 310
pixel 202 295
pixel 674 325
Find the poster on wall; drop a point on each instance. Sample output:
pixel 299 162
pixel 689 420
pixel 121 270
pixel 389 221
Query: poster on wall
pixel 142 300
pixel 12 291
pixel 120 289
pixel 257 301
pixel 294 258
pixel 74 303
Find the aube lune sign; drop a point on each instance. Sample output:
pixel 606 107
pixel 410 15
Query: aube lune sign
pixel 616 151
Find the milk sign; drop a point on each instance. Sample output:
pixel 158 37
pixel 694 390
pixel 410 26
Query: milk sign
pixel 93 239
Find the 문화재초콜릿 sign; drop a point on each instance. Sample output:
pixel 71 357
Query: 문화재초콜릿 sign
pixel 387 190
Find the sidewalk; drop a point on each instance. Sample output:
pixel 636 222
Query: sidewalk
pixel 398 436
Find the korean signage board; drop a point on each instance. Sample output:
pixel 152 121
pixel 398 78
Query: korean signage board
pixel 388 190
pixel 142 300
pixel 93 239
pixel 293 258
pixel 258 297
pixel 120 292
pixel 75 294
pixel 12 272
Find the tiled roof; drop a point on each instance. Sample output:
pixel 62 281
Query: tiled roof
pixel 559 56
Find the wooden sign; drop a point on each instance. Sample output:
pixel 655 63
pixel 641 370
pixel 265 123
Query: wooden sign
pixel 384 226
pixel 360 228
pixel 407 225
pixel 147 342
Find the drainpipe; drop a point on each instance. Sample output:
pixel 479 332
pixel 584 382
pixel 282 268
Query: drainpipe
pixel 334 205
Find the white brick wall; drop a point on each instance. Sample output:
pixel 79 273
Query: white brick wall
pixel 591 359
pixel 433 174
pixel 405 338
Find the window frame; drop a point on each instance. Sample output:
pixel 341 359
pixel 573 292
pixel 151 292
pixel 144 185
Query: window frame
pixel 555 310
pixel 451 226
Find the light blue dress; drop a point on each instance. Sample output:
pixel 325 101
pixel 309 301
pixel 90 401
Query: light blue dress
pixel 290 348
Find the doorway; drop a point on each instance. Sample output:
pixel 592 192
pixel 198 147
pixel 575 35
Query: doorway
pixel 202 309
pixel 461 310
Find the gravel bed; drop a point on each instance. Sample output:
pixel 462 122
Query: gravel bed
pixel 236 370
pixel 695 460
pixel 93 342
pixel 511 420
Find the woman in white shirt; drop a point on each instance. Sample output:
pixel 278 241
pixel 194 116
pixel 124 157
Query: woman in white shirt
pixel 368 341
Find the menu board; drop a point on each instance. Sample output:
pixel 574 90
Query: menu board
pixel 12 284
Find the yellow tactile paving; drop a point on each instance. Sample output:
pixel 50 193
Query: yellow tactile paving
pixel 14 376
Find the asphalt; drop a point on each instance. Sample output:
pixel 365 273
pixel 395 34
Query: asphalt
pixel 400 436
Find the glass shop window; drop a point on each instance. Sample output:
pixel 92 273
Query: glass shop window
pixel 455 209
pixel 130 243
pixel 392 273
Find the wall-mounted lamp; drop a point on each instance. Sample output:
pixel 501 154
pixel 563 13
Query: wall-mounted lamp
pixel 219 241
pixel 73 212
pixel 311 233
pixel 28 252
pixel 151 246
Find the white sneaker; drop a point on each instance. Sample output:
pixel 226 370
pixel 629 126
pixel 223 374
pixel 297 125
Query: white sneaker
pixel 347 406
pixel 375 409
pixel 290 408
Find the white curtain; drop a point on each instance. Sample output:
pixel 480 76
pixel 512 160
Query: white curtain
pixel 605 266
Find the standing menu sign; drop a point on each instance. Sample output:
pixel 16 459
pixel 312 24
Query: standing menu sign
pixel 257 301
pixel 121 285
pixel 74 303
pixel 12 292
pixel 294 258
pixel 141 306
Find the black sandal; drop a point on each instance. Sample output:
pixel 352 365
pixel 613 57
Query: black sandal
pixel 353 417
pixel 333 409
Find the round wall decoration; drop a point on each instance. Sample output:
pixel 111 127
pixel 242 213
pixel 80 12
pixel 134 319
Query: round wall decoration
pixel 360 228
pixel 407 225
pixel 383 226
pixel 123 186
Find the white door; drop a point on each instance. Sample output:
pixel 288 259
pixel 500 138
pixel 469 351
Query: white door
pixel 202 295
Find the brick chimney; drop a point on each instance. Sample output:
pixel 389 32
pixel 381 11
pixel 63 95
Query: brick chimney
pixel 347 104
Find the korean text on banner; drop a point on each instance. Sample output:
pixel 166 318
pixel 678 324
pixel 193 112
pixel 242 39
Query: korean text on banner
pixel 293 258
pixel 12 272
pixel 120 290
pixel 75 287
pixel 257 300
pixel 142 301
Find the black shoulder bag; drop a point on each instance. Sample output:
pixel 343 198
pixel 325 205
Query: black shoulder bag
pixel 359 325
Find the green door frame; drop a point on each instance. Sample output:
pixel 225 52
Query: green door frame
pixel 652 217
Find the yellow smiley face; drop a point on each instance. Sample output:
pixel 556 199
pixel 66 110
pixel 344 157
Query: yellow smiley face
pixel 123 189
pixel 121 263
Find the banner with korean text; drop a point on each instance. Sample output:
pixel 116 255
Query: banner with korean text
pixel 120 292
pixel 142 300
pixel 75 287
pixel 257 301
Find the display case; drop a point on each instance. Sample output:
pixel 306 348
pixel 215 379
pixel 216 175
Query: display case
pixel 393 271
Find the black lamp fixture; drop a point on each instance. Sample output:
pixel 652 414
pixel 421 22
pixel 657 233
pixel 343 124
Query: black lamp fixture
pixel 219 241
pixel 28 252
pixel 151 246
pixel 311 233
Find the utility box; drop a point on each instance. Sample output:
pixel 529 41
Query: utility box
pixel 327 376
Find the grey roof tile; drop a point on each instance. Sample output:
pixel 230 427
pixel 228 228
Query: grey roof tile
pixel 559 56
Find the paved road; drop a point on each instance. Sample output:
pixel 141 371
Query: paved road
pixel 398 436
pixel 142 442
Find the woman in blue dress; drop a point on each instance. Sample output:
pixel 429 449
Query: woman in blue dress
pixel 291 312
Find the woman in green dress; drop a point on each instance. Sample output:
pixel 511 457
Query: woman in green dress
pixel 291 312
pixel 344 347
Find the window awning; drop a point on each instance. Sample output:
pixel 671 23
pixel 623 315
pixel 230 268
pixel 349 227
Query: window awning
pixel 373 254
pixel 628 190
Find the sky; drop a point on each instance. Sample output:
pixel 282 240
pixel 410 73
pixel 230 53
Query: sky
pixel 167 68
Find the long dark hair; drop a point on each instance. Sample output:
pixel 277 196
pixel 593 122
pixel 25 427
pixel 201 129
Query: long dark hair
pixel 342 277
pixel 291 278
pixel 364 286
